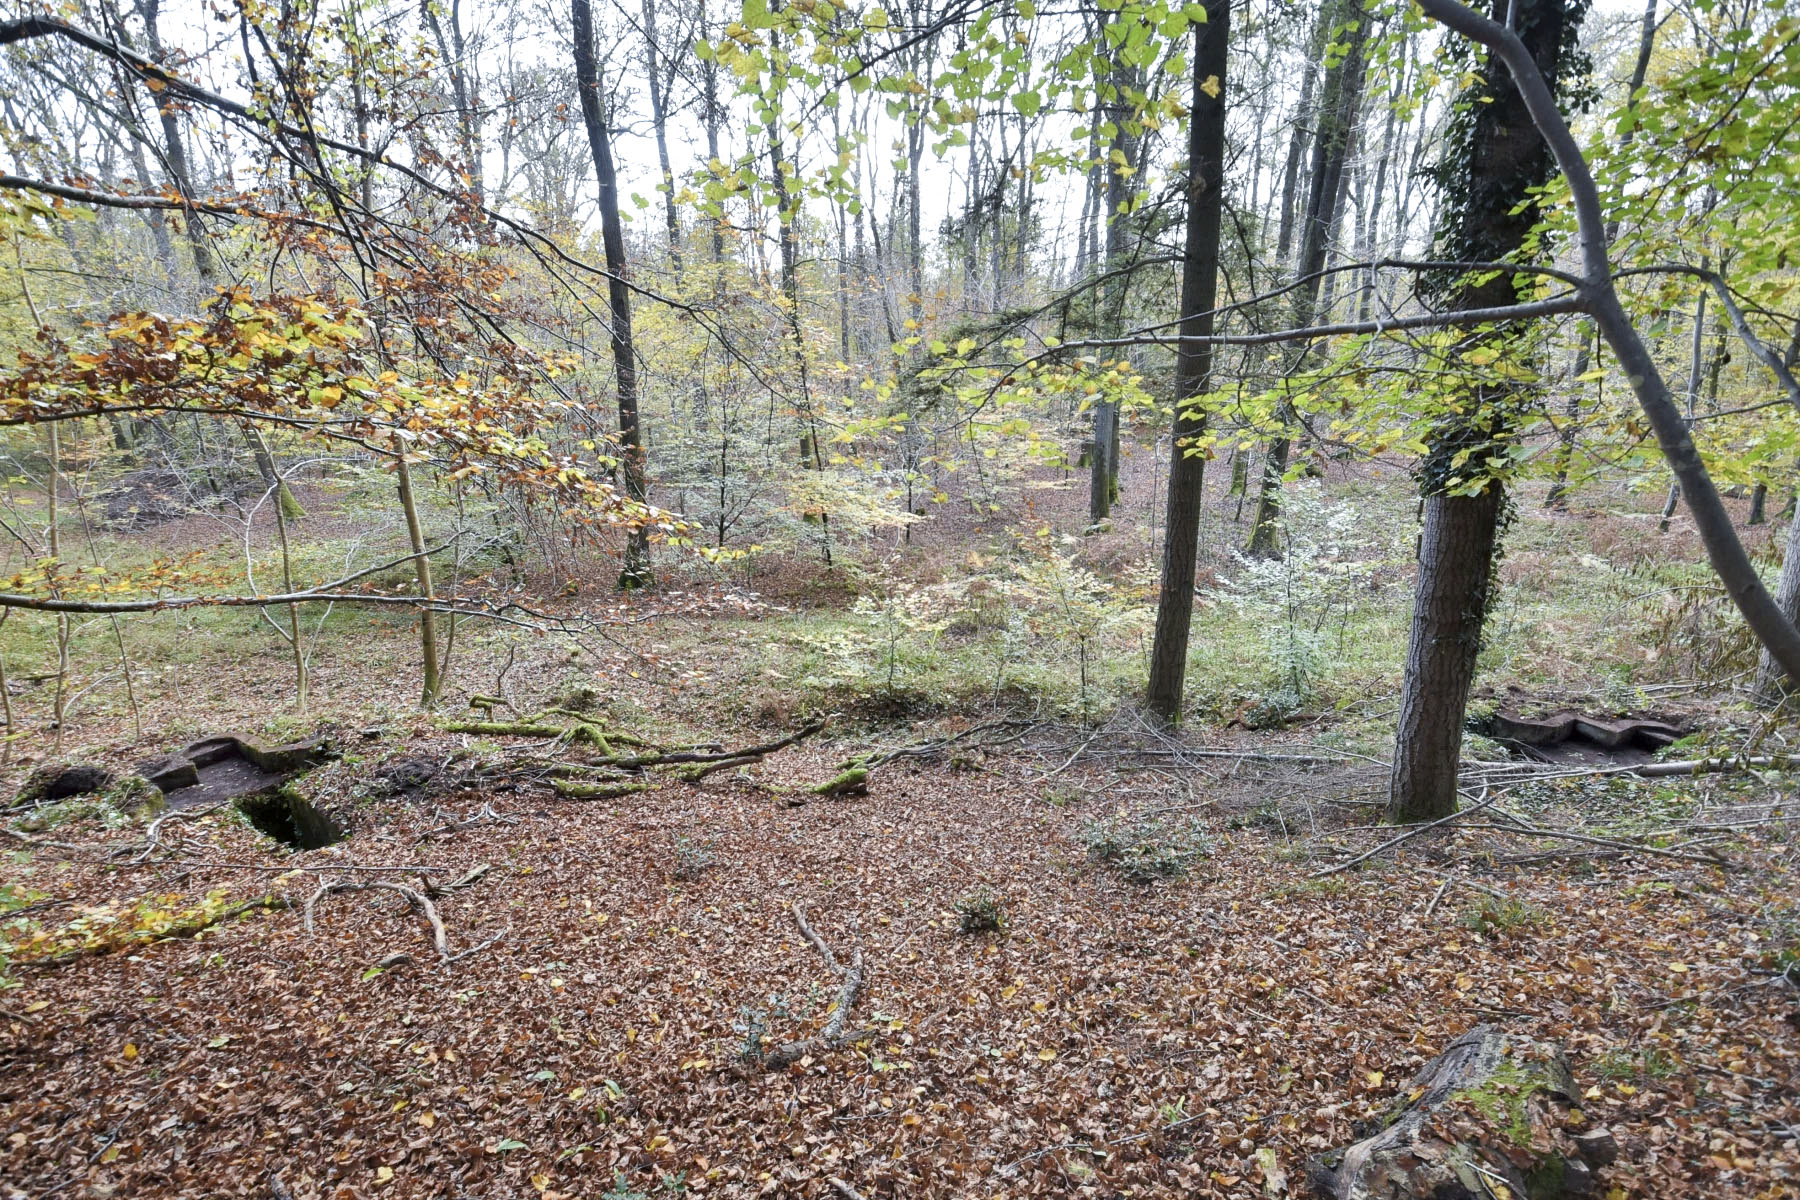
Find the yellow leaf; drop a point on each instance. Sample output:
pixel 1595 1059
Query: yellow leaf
pixel 1375 1078
pixel 130 1050
pixel 1046 1054
pixel 111 1153
pixel 1211 86
pixel 428 1119
pixel 40 1006
pixel 1678 968
pixel 383 1174
pixel 577 1093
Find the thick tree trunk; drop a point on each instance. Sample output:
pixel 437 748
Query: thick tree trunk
pixel 1193 364
pixel 636 572
pixel 1456 554
pixel 1494 169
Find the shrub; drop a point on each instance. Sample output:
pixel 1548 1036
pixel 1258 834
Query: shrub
pixel 1148 849
pixel 981 912
pixel 1498 914
pixel 691 859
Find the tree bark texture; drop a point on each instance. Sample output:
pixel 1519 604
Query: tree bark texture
pixel 636 572
pixel 1193 365
pixel 1491 170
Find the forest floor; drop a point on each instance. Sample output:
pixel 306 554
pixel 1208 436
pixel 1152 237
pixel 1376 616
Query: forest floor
pixel 1113 1038
pixel 622 964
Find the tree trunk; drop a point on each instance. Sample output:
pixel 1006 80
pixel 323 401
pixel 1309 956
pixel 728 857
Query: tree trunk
pixel 1456 553
pixel 659 106
pixel 1338 105
pixel 290 508
pixel 1121 193
pixel 1771 681
pixel 636 572
pixel 175 153
pixel 432 687
pixel 1297 139
pixel 712 117
pixel 1696 366
pixel 468 110
pixel 1494 169
pixel 1193 364
pixel 1514 1130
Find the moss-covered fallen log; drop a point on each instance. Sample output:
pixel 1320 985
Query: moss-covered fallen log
pixel 853 782
pixel 527 729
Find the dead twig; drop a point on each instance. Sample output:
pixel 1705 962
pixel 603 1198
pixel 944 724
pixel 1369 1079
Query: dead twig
pixel 419 902
pixel 1437 898
pixel 1526 829
pixel 832 1037
pixel 1409 835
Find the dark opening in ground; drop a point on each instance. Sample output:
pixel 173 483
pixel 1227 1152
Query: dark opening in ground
pixel 290 818
pixel 1575 739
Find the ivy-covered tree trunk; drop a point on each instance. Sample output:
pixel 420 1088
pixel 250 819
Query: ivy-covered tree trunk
pixel 1494 160
pixel 636 572
pixel 1193 364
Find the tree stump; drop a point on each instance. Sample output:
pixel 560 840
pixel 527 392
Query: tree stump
pixel 1492 1116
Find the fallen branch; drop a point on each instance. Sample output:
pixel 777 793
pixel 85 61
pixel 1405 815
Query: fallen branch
pixel 419 902
pixel 640 761
pixel 1718 766
pixel 183 929
pixel 1529 830
pixel 832 1037
pixel 853 782
pixel 570 789
pixel 695 772
pixel 1407 836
